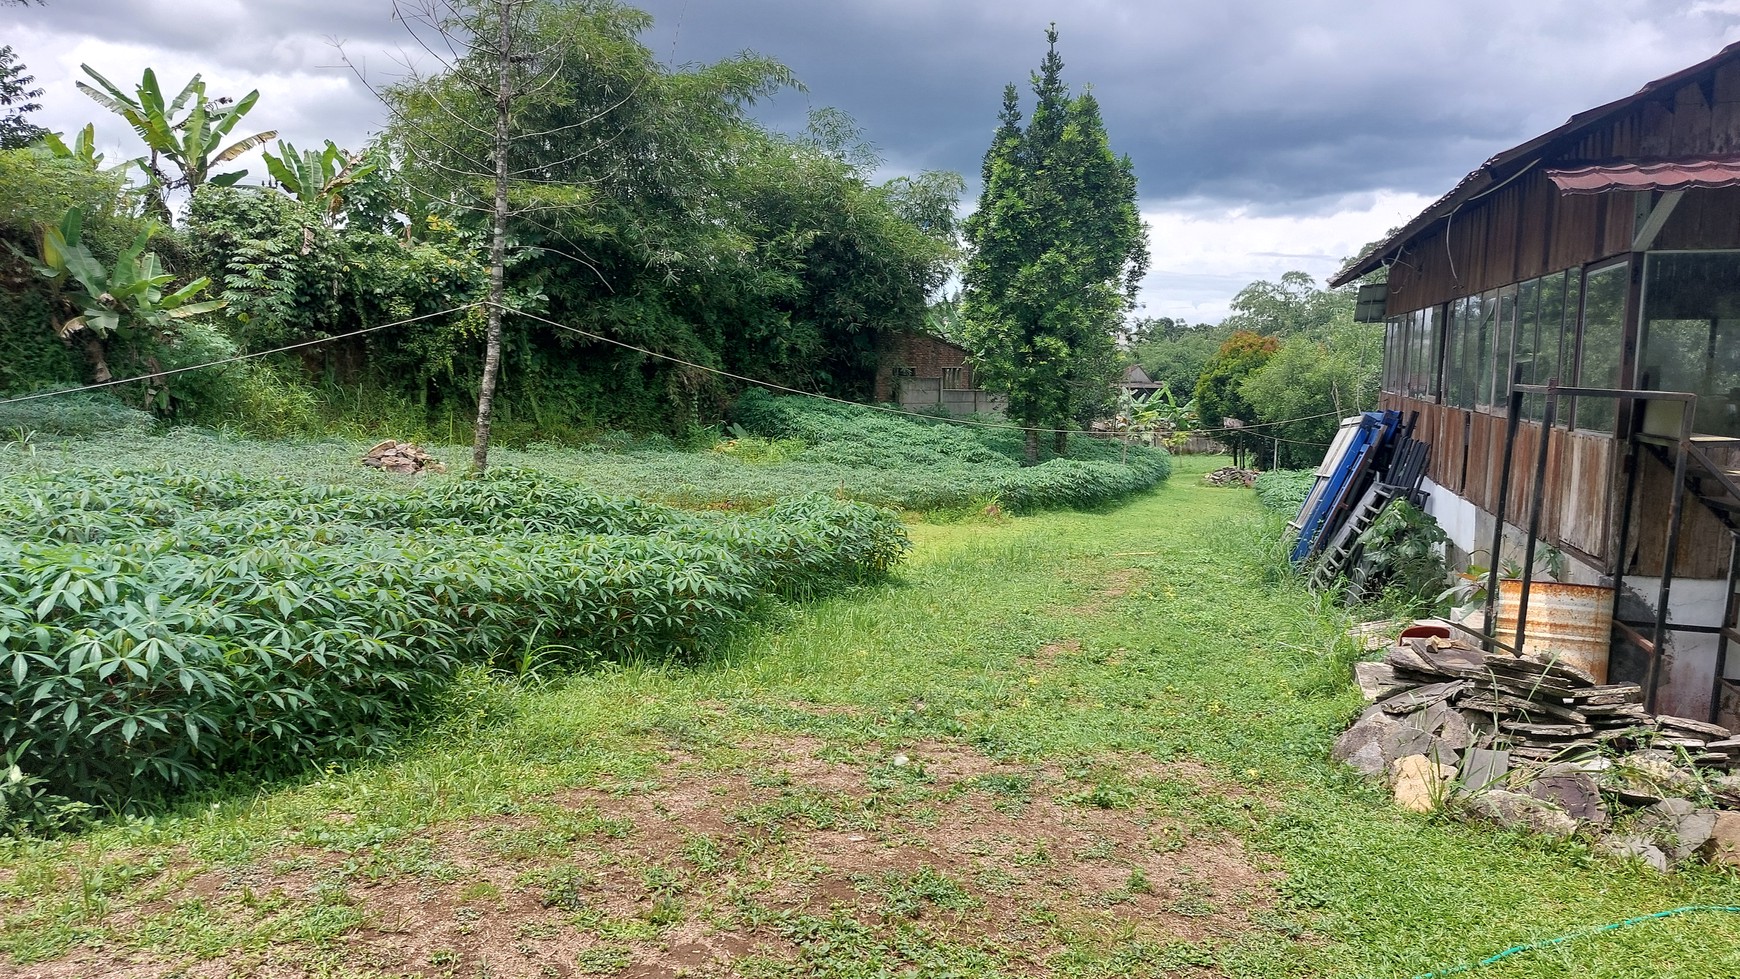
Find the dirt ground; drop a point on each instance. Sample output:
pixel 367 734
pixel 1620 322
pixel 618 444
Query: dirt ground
pixel 789 857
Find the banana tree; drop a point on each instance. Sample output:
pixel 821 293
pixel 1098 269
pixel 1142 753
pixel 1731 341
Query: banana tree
pixel 193 143
pixel 125 300
pixel 83 148
pixel 317 177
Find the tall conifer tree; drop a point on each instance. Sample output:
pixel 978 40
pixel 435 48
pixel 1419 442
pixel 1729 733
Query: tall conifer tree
pixel 1058 249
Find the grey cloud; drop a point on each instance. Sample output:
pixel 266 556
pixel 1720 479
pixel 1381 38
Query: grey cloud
pixel 1279 107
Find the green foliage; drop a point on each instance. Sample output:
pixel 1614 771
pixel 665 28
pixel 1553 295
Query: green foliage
pixel 1174 352
pixel 925 465
pixel 317 178
pixel 158 629
pixel 1284 490
pixel 1327 365
pixel 665 217
pixel 192 143
pixel 1058 251
pixel 124 300
pixel 38 188
pixel 1220 389
pixel 1405 551
pixel 17 101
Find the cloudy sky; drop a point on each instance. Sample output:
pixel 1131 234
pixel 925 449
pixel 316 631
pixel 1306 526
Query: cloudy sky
pixel 1267 135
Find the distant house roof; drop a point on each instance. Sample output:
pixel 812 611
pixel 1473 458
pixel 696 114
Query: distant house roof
pixel 1507 165
pixel 1136 378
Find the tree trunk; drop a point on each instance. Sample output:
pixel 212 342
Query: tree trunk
pixel 1032 447
pixel 1059 442
pixel 99 358
pixel 497 242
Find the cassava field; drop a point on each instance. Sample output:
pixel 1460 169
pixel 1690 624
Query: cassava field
pixel 995 738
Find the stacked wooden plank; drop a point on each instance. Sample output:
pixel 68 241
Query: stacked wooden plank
pixel 1538 711
pixel 401 457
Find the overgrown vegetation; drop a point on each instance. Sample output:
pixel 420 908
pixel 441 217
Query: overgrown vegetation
pixel 1075 697
pixel 945 463
pixel 158 629
pixel 698 234
pixel 1284 490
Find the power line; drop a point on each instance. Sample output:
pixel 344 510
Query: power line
pixel 855 404
pixel 231 360
pixel 973 423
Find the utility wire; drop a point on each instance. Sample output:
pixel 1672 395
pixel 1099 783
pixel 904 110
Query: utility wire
pixel 855 404
pixel 239 357
pixel 628 346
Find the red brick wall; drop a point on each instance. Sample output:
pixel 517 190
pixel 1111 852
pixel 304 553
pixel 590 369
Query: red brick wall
pixel 926 355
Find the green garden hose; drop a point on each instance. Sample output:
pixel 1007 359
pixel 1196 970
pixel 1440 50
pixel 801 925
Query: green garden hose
pixel 1548 943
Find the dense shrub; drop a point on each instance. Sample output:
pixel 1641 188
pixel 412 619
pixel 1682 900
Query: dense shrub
pixel 1284 490
pixel 72 414
pixel 157 629
pixel 932 464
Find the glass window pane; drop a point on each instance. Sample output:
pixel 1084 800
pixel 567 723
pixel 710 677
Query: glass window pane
pixel 1485 313
pixel 1599 343
pixel 1552 330
pixel 1469 376
pixel 1568 341
pixel 1452 350
pixel 1503 348
pixel 1691 333
pixel 1434 344
pixel 1528 298
pixel 1416 356
pixel 1398 370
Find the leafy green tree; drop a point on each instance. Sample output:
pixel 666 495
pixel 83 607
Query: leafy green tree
pixel 1058 250
pixel 1220 396
pixel 192 143
pixel 17 100
pixel 1314 380
pixel 645 206
pixel 1293 305
pixel 1174 352
pixel 126 300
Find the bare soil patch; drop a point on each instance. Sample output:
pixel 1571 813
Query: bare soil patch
pixel 797 849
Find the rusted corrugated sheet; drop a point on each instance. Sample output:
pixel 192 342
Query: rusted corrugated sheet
pixel 1665 176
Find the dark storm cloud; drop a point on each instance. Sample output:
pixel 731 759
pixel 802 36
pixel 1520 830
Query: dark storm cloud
pixel 1289 103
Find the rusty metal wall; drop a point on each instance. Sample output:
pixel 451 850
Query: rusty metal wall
pixel 1467 459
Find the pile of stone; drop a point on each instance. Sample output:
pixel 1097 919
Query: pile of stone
pixel 1539 711
pixel 401 457
pixel 1232 476
pixel 1542 746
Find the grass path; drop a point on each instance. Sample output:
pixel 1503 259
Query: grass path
pixel 1064 745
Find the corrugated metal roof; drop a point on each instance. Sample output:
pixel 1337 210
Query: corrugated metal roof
pixel 1665 175
pixel 1504 166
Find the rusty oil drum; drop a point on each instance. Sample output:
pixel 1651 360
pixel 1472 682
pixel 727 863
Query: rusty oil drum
pixel 1572 624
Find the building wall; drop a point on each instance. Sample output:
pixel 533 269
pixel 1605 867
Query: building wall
pixel 919 371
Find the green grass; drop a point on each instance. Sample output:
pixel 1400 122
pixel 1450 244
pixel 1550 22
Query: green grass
pixel 1142 670
pixel 942 470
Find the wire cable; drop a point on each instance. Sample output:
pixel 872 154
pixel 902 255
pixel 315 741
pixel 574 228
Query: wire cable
pixel 239 357
pixel 858 404
pixel 1589 933
pixel 154 375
